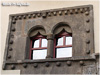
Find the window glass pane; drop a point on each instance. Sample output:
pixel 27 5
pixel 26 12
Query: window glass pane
pixel 63 52
pixel 60 41
pixel 44 43
pixel 39 54
pixel 69 40
pixel 36 43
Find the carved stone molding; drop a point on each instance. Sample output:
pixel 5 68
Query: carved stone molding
pixel 75 20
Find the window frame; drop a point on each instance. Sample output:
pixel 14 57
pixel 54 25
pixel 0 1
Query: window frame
pixel 40 37
pixel 64 35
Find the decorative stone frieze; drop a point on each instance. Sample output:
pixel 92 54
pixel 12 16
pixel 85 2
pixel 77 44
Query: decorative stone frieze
pixel 76 21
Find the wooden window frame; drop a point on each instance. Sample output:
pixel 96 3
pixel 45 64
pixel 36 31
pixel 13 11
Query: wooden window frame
pixel 64 35
pixel 40 37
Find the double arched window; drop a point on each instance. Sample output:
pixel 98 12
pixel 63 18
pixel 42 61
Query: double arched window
pixel 61 43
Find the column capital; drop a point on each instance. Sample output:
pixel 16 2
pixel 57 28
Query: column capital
pixel 50 37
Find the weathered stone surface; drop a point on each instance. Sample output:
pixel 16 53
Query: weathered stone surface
pixel 75 20
pixel 90 69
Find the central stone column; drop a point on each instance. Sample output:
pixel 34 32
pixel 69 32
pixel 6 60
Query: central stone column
pixel 50 47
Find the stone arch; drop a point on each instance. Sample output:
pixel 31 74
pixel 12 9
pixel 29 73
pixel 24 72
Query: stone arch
pixel 61 26
pixel 35 30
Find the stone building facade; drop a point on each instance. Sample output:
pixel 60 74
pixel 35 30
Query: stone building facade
pixel 76 21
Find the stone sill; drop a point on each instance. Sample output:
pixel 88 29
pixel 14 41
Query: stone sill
pixel 76 58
